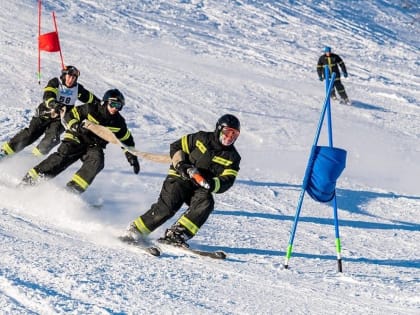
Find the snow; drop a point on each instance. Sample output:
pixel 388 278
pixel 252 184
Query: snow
pixel 181 65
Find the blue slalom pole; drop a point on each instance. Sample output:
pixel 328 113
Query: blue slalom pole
pixel 335 212
pixel 327 83
pixel 307 172
pixel 337 236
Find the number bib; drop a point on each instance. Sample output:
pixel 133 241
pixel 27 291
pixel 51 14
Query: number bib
pixel 67 95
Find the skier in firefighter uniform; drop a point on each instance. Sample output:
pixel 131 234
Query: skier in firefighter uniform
pixel 80 143
pixel 334 62
pixel 58 93
pixel 202 163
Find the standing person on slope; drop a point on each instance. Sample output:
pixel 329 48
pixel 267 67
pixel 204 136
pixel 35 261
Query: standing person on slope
pixel 80 143
pixel 202 163
pixel 333 62
pixel 58 93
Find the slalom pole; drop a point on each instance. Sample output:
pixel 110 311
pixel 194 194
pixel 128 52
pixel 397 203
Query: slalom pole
pixel 307 173
pixel 58 38
pixel 39 35
pixel 327 83
pixel 337 236
pixel 335 212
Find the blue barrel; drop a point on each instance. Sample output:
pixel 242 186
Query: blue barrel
pixel 328 164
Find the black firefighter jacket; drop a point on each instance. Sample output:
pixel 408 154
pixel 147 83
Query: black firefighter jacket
pixel 333 62
pixel 213 161
pixel 56 91
pixel 98 114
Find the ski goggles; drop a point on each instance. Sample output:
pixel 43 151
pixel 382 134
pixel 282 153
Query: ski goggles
pixel 115 104
pixel 228 135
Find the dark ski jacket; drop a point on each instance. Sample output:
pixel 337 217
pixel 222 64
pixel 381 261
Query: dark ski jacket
pixel 333 62
pixel 98 114
pixel 213 160
pixel 55 91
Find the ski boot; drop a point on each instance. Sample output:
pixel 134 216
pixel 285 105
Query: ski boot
pixel 345 101
pixel 74 188
pixel 28 180
pixel 134 237
pixel 177 235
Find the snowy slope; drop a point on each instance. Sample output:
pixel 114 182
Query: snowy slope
pixel 181 65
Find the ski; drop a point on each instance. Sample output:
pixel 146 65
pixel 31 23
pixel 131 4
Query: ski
pixel 150 249
pixel 218 254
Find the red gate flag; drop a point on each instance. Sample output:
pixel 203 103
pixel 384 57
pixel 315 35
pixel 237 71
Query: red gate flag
pixel 49 42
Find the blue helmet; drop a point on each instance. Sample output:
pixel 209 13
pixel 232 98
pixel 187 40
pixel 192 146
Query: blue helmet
pixel 327 49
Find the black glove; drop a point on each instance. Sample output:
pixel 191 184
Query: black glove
pixel 182 168
pixel 56 106
pixel 345 74
pixel 321 79
pixel 134 162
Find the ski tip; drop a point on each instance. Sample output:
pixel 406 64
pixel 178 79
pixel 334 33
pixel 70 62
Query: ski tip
pixel 220 254
pixel 153 251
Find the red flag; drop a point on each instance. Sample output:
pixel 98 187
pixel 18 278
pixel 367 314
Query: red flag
pixel 49 42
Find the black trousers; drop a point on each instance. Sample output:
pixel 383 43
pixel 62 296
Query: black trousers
pixel 37 127
pixel 68 152
pixel 340 89
pixel 175 192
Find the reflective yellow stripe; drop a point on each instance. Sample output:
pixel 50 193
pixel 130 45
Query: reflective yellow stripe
pixel 90 98
pixel 173 173
pixel 36 152
pixel 201 146
pixel 92 119
pixel 33 173
pixel 188 224
pixel 141 226
pixel 126 136
pixel 48 101
pixel 330 65
pixel 72 122
pixel 7 148
pixel 117 129
pixel 184 142
pixel 114 129
pixel 51 89
pixel 229 172
pixel 222 161
pixel 80 181
pixel 216 184
pixel 75 113
pixel 69 136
